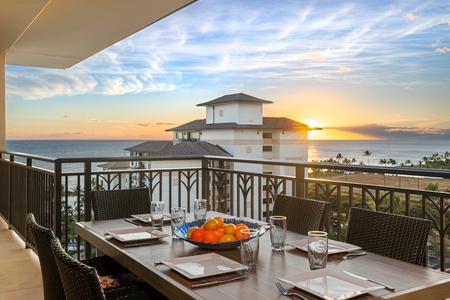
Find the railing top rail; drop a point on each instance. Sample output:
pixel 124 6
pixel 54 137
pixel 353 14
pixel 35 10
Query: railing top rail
pixel 439 173
pixel 354 168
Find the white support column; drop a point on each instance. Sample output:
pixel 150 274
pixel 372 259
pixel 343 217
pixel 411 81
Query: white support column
pixel 2 102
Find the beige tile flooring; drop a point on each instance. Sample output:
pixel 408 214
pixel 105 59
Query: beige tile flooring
pixel 20 274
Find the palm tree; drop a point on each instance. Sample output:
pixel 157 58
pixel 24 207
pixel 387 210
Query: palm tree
pixel 383 162
pixel 339 157
pixel 367 153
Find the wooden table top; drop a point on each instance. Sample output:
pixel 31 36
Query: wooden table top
pixel 410 281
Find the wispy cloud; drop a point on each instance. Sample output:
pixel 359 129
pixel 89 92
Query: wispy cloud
pixel 66 116
pixel 247 40
pixel 442 50
pixel 377 131
pixel 150 124
pixel 410 16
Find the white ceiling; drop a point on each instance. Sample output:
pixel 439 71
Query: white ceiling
pixel 61 33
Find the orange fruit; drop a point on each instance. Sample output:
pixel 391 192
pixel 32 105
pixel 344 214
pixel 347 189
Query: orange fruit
pixel 211 236
pixel 219 221
pixel 220 232
pixel 241 225
pixel 197 234
pixel 227 237
pixel 230 228
pixel 189 233
pixel 238 234
pixel 211 224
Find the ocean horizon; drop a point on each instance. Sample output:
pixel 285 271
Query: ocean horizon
pixel 398 150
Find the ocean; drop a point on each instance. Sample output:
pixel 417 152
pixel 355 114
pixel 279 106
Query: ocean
pixel 399 150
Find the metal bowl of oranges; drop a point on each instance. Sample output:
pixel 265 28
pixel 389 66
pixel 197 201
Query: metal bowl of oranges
pixel 221 236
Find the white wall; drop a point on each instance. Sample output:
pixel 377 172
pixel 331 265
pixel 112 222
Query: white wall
pixel 240 113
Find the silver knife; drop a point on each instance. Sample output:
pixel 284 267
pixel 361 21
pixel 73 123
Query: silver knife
pixel 218 281
pixel 371 280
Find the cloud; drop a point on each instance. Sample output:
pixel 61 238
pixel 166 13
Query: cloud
pixel 410 16
pixel 442 50
pixel 437 43
pixel 344 70
pixel 155 124
pixel 376 131
pixel 246 40
pixel 316 56
pixel 66 116
pixel 408 88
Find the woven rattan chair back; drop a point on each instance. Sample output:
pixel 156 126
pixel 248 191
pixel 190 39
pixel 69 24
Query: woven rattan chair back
pixel 302 214
pixel 396 236
pixel 53 288
pixel 80 281
pixel 117 204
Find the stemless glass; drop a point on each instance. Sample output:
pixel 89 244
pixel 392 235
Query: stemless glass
pixel 200 209
pixel 278 228
pixel 317 249
pixel 157 214
pixel 177 218
pixel 249 247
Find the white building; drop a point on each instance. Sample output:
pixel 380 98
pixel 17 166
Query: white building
pixel 234 126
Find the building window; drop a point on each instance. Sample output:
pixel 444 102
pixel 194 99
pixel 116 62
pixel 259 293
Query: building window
pixel 267 135
pixel 221 113
pixel 248 149
pixel 267 148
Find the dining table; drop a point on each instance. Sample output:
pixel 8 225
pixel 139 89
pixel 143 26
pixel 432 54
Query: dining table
pixel 143 259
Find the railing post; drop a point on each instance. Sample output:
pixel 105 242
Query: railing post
pixel 205 180
pixel 57 208
pixel 87 203
pixel 300 190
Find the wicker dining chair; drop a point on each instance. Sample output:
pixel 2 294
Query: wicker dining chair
pixel 396 236
pixel 82 282
pixel 302 214
pixel 117 204
pixel 51 280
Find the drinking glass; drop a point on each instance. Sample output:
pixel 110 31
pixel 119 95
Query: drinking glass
pixel 278 227
pixel 249 247
pixel 177 218
pixel 200 209
pixel 157 214
pixel 317 249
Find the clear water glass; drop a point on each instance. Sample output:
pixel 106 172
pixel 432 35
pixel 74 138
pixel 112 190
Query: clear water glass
pixel 157 214
pixel 317 249
pixel 200 209
pixel 278 229
pixel 177 218
pixel 249 247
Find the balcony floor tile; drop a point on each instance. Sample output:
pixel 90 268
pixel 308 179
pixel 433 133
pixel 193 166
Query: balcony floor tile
pixel 21 275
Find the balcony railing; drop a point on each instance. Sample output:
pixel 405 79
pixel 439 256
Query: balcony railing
pixel 57 191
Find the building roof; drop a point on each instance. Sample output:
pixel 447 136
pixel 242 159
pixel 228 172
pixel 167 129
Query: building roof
pixel 194 148
pixel 240 97
pixel 61 33
pixel 269 123
pixel 115 165
pixel 184 148
pixel 150 146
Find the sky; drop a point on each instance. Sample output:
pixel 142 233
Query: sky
pixel 357 69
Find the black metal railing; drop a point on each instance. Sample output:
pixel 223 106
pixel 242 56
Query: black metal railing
pixel 59 195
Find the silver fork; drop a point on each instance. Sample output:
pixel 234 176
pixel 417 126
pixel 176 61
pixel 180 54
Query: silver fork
pixel 353 254
pixel 286 293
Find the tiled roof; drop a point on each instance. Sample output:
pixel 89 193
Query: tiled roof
pixel 180 149
pixel 193 148
pixel 116 165
pixel 268 123
pixel 150 146
pixel 241 97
